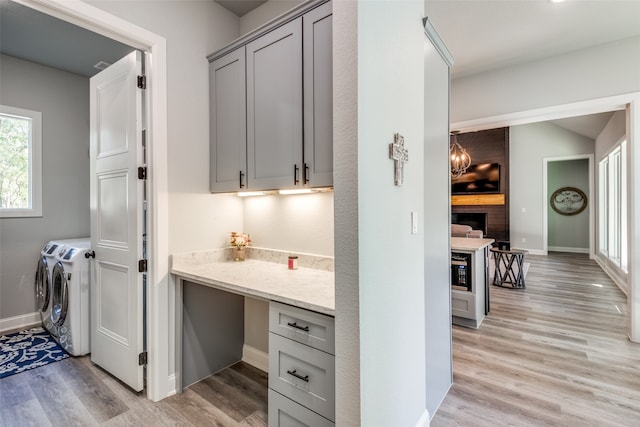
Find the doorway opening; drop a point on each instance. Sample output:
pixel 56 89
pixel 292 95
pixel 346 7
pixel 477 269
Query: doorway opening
pixel 98 21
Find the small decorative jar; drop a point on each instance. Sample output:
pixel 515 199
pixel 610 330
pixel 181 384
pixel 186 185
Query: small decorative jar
pixel 239 254
pixel 293 262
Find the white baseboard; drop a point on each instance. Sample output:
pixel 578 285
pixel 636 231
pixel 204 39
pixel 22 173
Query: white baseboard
pixel 255 357
pixel 567 249
pixel 424 419
pixel 24 321
pixel 171 385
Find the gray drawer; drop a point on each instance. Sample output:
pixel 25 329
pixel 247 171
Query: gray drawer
pixel 303 374
pixel 284 412
pixel 304 326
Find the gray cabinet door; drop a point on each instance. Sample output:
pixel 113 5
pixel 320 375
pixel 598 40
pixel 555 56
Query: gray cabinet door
pixel 228 122
pixel 318 96
pixel 274 108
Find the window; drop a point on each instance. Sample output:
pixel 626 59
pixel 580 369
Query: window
pixel 20 162
pixel 613 206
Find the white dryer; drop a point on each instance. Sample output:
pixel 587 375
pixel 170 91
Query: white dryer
pixel 70 298
pixel 44 271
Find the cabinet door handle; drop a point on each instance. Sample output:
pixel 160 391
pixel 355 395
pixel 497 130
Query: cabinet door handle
pixel 298 376
pixel 305 174
pixel 295 325
pixel 296 171
pixel 240 177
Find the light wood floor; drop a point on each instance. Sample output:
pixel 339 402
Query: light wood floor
pixel 554 354
pixel 74 392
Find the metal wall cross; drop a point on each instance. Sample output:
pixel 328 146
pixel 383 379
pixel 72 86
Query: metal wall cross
pixel 400 156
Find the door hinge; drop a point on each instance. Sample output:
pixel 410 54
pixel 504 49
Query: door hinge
pixel 142 172
pixel 142 82
pixel 142 358
pixel 142 266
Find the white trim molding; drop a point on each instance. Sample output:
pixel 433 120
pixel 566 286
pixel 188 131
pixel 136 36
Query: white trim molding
pixel 21 322
pixel 256 358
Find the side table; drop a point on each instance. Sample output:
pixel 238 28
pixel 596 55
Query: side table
pixel 508 268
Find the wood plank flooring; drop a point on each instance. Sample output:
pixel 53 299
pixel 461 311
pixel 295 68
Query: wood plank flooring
pixel 75 392
pixel 553 354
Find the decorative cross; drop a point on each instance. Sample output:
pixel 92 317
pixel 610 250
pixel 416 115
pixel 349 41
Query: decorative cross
pixel 400 156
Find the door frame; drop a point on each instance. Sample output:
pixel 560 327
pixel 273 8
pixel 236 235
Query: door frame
pixel 629 102
pixel 545 199
pixel 97 20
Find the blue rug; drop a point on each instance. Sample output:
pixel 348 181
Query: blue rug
pixel 26 350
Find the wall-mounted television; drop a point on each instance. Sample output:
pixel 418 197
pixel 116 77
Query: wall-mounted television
pixel 480 178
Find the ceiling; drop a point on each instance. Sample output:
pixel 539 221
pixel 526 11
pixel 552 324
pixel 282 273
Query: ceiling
pixel 36 37
pixel 482 35
pixel 240 7
pixel 487 34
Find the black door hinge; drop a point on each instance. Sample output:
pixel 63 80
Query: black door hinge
pixel 142 358
pixel 142 266
pixel 142 172
pixel 142 82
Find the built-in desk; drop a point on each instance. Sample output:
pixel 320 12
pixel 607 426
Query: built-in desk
pixel 210 292
pixel 469 307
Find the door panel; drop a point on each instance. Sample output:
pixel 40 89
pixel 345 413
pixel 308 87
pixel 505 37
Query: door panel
pixel 117 220
pixel 274 108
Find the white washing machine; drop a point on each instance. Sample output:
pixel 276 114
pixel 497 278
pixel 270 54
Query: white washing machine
pixel 44 271
pixel 70 301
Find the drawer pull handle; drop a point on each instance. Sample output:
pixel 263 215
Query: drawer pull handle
pixel 297 375
pixel 295 325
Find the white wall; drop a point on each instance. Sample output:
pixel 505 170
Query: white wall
pixel 347 212
pixel 296 223
pixel 611 135
pixel 389 79
pixel 63 99
pixel 598 72
pixel 529 145
pixel 437 219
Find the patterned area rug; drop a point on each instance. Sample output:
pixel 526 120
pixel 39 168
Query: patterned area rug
pixel 26 350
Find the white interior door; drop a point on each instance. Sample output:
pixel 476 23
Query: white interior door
pixel 117 220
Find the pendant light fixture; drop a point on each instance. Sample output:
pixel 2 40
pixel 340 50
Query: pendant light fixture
pixel 460 159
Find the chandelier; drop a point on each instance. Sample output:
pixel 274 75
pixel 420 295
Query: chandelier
pixel 460 159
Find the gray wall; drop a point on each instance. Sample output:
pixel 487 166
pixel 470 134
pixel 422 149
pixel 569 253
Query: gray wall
pixel 529 145
pixel 568 233
pixel 63 99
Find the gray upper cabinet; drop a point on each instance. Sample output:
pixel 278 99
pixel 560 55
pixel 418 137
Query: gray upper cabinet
pixel 272 105
pixel 318 96
pixel 274 108
pixel 228 122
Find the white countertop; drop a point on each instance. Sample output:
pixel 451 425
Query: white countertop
pixel 469 244
pixel 308 288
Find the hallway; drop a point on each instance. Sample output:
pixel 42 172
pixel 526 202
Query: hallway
pixel 554 354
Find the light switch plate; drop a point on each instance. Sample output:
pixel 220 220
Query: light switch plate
pixel 414 222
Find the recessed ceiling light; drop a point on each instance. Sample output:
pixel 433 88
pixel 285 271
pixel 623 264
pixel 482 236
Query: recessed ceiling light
pixel 556 1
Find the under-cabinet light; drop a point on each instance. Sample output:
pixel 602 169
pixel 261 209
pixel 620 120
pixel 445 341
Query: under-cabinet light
pixel 296 191
pixel 251 193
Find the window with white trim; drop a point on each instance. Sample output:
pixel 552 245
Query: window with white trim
pixel 20 162
pixel 612 209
